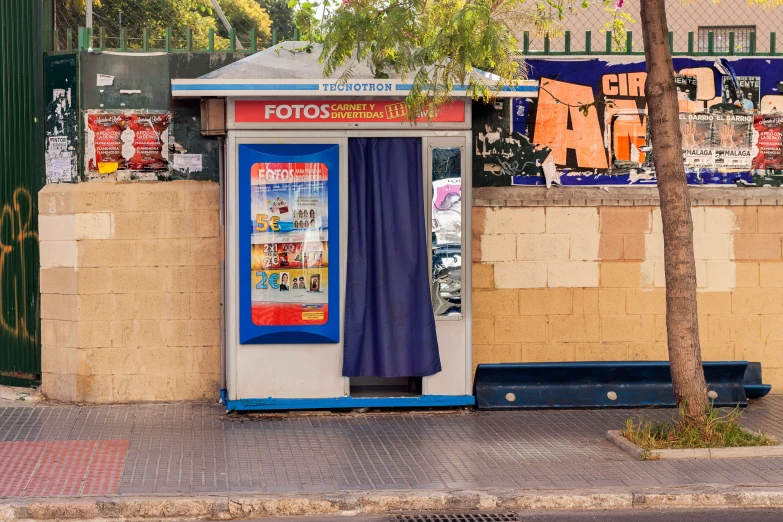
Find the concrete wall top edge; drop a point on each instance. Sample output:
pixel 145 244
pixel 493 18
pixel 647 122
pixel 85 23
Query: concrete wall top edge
pixel 620 196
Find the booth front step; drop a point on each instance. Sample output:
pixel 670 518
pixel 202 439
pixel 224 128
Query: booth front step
pixel 347 403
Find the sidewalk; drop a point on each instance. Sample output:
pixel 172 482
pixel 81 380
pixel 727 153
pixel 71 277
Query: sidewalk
pixel 196 450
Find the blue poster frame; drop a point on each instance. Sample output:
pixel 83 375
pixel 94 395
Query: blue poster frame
pixel 249 154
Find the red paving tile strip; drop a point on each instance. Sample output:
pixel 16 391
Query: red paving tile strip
pixel 61 467
pixel 18 462
pixel 103 476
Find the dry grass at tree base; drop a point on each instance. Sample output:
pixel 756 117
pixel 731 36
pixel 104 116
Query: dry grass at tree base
pixel 722 430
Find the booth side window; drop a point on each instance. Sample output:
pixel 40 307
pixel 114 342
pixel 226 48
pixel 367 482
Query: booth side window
pixel 446 229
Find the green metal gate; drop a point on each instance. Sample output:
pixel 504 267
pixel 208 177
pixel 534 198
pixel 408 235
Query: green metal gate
pixel 21 177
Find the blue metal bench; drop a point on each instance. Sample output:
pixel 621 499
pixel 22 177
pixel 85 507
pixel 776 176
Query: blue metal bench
pixel 616 384
pixel 754 389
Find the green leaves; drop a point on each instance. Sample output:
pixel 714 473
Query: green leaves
pixel 181 15
pixel 437 44
pixel 307 20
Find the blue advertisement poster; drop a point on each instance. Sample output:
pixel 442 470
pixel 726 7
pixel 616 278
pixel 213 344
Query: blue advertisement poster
pixel 287 293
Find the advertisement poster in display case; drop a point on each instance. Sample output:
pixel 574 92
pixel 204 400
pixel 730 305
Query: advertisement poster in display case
pixel 287 292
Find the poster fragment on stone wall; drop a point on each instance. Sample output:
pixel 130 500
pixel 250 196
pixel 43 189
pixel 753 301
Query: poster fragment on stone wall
pixel 687 87
pixel 60 144
pixel 60 155
pixel 150 141
pixel 768 133
pixel 105 138
pixel 731 139
pixel 588 126
pixel 746 96
pixel 696 132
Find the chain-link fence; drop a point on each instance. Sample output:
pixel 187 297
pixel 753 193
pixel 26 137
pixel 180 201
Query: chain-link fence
pixel 189 21
pixel 684 16
pixel 748 22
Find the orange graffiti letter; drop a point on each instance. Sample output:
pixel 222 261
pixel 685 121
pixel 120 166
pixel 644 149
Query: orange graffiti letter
pixel 636 83
pixel 558 102
pixel 610 85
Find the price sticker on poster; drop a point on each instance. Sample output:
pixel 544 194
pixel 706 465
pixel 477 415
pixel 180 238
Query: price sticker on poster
pixel 290 294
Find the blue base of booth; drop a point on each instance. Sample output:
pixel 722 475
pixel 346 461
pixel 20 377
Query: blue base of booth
pixel 336 403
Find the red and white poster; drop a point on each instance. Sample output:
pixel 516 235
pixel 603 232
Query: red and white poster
pixel 768 143
pixel 127 142
pixel 339 111
pixel 104 141
pixel 150 141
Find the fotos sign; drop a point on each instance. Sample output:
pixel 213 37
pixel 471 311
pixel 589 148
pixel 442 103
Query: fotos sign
pixel 339 111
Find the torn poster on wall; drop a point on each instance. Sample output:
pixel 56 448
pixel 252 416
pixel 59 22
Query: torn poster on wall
pixel 769 142
pixel 187 163
pixel 60 155
pixel 588 125
pixel 126 142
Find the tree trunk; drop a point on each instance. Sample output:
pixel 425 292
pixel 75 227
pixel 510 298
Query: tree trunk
pixel 682 326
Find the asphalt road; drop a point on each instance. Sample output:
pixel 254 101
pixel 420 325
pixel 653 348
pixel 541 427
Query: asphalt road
pixel 636 515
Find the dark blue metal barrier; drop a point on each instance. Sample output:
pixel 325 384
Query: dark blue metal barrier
pixel 617 384
pixel 754 389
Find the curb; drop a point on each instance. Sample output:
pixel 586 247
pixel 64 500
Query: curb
pixel 377 503
pixel 616 436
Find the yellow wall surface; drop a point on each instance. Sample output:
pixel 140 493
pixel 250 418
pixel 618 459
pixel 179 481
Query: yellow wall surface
pixel 130 291
pixel 130 287
pixel 587 284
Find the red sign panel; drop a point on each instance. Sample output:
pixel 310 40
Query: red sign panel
pixel 339 111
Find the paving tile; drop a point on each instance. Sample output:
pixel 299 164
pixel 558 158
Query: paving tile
pixel 60 467
pixel 197 448
pixel 18 462
pixel 103 474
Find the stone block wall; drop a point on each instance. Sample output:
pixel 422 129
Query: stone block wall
pixel 130 291
pixel 130 282
pixel 583 279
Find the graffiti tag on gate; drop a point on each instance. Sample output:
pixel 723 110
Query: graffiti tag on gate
pixel 18 255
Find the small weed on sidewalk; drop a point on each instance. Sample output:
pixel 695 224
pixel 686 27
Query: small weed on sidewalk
pixel 720 431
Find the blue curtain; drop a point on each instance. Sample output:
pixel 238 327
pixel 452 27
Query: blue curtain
pixel 389 323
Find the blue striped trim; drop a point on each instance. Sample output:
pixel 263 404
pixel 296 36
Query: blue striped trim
pixel 521 88
pixel 276 404
pixel 509 88
pixel 311 87
pixel 409 86
pixel 245 87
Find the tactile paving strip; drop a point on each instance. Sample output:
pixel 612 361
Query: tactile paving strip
pixel 61 467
